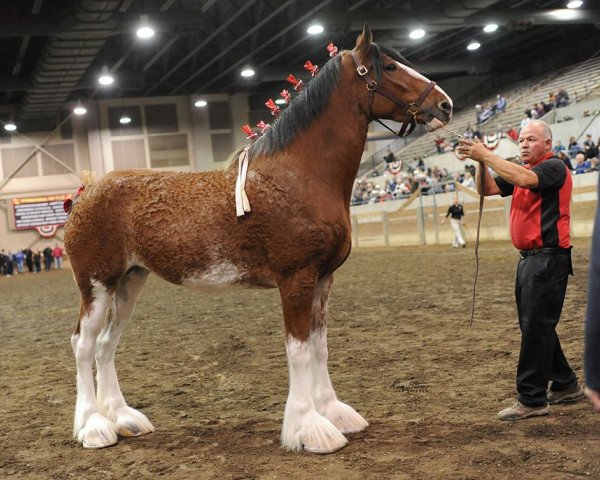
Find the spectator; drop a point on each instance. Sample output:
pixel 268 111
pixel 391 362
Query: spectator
pixel 513 133
pixel 468 133
pixel 3 260
pixel 525 120
pixel 486 113
pixel 440 144
pixel 551 100
pixel 37 260
pixel 29 259
pixel 500 105
pixel 57 254
pixel 562 155
pixel 589 147
pixel 559 147
pixel 574 147
pixel 582 164
pixel 19 258
pixel 562 98
pixel 47 258
pixel 389 157
pixel 468 182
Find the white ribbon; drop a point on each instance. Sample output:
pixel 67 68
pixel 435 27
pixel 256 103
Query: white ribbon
pixel 242 205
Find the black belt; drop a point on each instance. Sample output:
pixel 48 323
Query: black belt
pixel 545 251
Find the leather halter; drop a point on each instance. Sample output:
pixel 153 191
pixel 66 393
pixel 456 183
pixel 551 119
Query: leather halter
pixel 411 108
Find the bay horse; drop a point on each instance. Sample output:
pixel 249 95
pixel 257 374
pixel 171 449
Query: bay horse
pixel 183 227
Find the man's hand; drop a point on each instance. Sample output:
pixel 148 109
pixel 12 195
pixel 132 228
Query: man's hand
pixel 594 396
pixel 472 149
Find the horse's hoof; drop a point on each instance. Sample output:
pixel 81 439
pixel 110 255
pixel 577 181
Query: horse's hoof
pixel 98 432
pixel 314 434
pixel 345 418
pixel 132 423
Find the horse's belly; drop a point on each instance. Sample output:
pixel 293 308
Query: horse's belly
pixel 224 275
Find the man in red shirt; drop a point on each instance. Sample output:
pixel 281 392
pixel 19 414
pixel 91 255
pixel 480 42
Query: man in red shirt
pixel 539 229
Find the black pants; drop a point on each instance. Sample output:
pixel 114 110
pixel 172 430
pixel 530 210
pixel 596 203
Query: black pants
pixel 540 292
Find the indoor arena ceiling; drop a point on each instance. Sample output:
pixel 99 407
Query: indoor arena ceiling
pixel 54 50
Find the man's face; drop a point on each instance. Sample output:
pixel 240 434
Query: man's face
pixel 532 144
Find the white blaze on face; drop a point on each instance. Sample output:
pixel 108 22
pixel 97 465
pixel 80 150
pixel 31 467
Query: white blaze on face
pixel 435 123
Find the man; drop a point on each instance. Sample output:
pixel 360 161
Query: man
pixel 539 228
pixel 57 254
pixel 457 212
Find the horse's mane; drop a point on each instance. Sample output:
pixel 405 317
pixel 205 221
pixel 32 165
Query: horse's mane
pixel 311 101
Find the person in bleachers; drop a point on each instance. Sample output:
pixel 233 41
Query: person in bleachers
pixel 486 113
pixel 468 182
pixel 551 100
pixel 562 98
pixel 440 144
pixel 525 120
pixel 562 155
pixel 468 133
pixel 574 147
pixel 513 134
pixel 389 157
pixel 582 164
pixel 559 147
pixel 500 105
pixel 589 147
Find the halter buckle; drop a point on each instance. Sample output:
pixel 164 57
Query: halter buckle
pixel 362 70
pixel 371 86
pixel 412 109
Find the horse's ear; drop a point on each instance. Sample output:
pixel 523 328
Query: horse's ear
pixel 363 42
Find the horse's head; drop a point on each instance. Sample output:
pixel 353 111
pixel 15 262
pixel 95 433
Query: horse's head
pixel 398 92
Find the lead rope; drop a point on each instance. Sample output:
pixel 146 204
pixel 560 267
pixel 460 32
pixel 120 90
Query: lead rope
pixel 481 197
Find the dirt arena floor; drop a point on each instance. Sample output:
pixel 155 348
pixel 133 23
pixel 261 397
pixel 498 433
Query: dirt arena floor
pixel 210 372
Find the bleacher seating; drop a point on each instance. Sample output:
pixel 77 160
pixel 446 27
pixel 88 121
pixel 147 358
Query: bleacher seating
pixel 582 82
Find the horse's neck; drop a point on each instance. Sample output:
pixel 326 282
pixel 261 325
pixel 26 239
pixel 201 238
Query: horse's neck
pixel 331 147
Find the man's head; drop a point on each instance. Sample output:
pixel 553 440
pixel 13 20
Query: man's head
pixel 580 159
pixel 535 141
pixel 456 200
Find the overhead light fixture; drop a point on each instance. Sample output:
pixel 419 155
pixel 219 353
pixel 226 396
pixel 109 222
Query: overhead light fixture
pixel 280 101
pixel 416 34
pixel 247 72
pixel 564 14
pixel 474 45
pixel 10 127
pixel 490 27
pixel 79 109
pixel 201 103
pixel 125 119
pixel 315 29
pixel 575 4
pixel 144 30
pixel 105 77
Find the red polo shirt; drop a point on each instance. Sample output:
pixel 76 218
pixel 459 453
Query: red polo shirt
pixel 541 217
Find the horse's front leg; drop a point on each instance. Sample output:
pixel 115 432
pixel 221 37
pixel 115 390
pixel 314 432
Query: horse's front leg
pixel 303 426
pixel 343 416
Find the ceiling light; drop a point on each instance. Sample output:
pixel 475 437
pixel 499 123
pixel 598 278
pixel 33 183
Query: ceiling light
pixel 201 103
pixel 474 45
pixel 280 101
pixel 79 110
pixel 564 14
pixel 105 77
pixel 125 119
pixel 10 127
pixel 416 34
pixel 490 27
pixel 247 72
pixel 315 29
pixel 144 29
pixel 575 4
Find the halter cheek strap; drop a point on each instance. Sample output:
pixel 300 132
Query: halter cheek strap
pixel 411 108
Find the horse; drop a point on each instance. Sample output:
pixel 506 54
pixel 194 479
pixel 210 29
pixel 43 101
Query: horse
pixel 298 232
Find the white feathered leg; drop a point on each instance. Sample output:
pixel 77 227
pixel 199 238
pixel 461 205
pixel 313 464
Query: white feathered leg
pixel 111 403
pixel 341 415
pixel 90 428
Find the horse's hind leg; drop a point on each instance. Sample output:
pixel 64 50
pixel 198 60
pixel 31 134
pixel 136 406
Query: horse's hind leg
pixel 90 428
pixel 111 403
pixel 303 426
pixel 341 415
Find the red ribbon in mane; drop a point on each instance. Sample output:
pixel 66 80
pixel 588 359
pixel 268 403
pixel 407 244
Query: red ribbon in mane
pixel 250 134
pixel 285 95
pixel 263 126
pixel 68 203
pixel 275 111
pixel 313 69
pixel 296 83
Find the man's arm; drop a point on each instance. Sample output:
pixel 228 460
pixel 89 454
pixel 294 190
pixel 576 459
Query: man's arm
pixel 511 172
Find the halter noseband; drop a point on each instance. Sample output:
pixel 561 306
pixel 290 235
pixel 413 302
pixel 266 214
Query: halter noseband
pixel 411 108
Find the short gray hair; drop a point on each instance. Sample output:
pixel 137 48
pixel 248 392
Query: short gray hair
pixel 547 132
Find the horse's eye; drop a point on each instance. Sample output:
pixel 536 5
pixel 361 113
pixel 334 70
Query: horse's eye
pixel 391 67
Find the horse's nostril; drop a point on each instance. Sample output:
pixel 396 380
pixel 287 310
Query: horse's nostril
pixel 445 106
